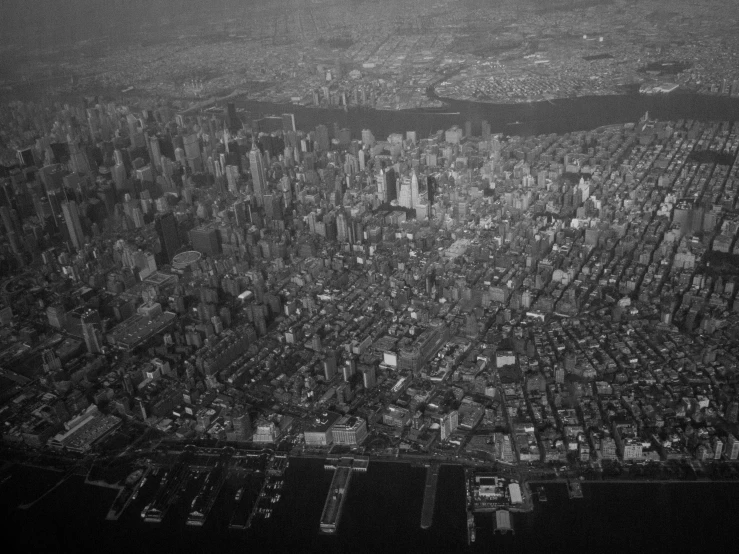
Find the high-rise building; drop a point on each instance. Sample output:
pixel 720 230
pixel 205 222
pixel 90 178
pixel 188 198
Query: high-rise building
pixel 486 131
pixel 322 138
pixel 414 189
pixel 10 228
pixel 232 118
pixel 205 241
pixel 288 122
pixel 92 331
pixel 449 423
pixel 74 227
pixel 732 447
pixel 369 376
pixel 349 369
pixel 240 213
pixel 256 164
pixel 349 430
pixel 391 187
pixel 329 365
pixel 169 238
pixel 368 139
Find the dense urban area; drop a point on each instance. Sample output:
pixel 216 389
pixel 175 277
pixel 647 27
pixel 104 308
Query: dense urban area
pixel 193 297
pixel 385 55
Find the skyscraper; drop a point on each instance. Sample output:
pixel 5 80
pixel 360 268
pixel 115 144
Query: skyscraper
pixel 258 176
pixel 74 227
pixel 369 376
pixel 288 122
pixel 322 138
pixel 92 331
pixel 205 241
pixel 414 189
pixel 391 188
pixel 169 239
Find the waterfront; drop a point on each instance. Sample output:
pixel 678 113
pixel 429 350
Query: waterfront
pixel 560 116
pixel 382 512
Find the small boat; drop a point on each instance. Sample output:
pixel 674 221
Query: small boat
pixel 239 493
pixel 541 493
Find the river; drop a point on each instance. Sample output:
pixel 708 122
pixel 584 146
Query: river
pixel 557 116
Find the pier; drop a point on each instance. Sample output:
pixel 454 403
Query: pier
pixel 503 522
pixel 429 496
pixel 335 499
pixel 344 467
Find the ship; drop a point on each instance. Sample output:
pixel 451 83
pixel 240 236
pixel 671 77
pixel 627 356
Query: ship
pixel 515 123
pixel 574 489
pixel 135 476
pixel 541 494
pixel 471 529
pixel 238 494
pixel 5 479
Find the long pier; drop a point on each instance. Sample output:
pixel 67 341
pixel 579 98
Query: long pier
pixel 335 499
pixel 344 466
pixel 429 496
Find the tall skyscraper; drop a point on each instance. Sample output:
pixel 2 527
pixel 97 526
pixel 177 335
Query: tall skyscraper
pixel 232 118
pixel 169 239
pixel 240 213
pixel 414 189
pixel 10 228
pixel 92 331
pixel 256 164
pixel 329 365
pixel 369 376
pixel 74 227
pixel 391 187
pixel 288 122
pixel 322 138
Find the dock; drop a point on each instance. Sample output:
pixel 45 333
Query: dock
pixel 335 499
pixel 429 496
pixel 255 507
pixel 125 496
pixel 206 497
pixel 343 468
